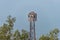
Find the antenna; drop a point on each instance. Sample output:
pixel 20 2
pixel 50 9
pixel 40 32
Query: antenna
pixel 32 17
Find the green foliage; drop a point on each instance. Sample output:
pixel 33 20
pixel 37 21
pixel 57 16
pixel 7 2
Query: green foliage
pixel 17 35
pixel 44 37
pixel 6 28
pixel 6 31
pixel 24 35
pixel 53 35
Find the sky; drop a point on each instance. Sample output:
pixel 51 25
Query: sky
pixel 48 14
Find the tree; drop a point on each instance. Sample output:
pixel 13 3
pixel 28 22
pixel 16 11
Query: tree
pixel 6 28
pixel 24 35
pixel 17 35
pixel 6 31
pixel 44 37
pixel 53 35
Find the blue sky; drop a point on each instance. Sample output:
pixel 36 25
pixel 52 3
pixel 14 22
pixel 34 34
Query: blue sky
pixel 48 12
